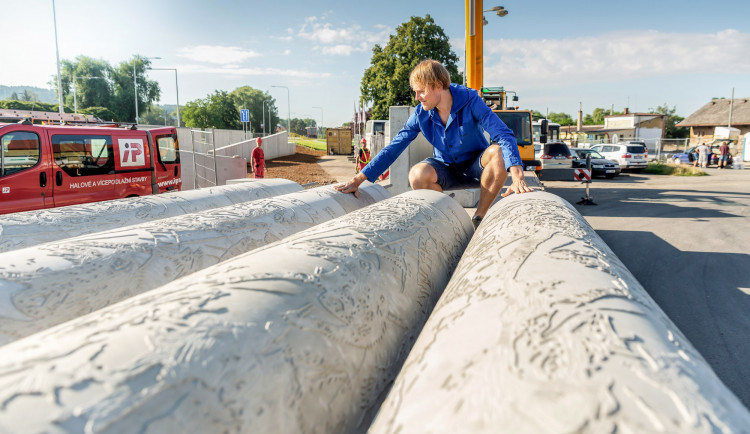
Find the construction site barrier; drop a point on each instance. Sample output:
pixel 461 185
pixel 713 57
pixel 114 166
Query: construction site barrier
pixel 543 329
pixel 25 229
pixel 50 283
pixel 303 335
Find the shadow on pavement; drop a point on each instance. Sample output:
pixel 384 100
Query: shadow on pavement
pixel 706 295
pixel 652 202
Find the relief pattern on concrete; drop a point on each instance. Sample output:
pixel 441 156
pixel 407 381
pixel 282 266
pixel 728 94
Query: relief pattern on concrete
pixel 303 335
pixel 50 283
pixel 543 329
pixel 25 229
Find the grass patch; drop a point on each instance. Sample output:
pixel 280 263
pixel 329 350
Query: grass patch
pixel 674 170
pixel 317 144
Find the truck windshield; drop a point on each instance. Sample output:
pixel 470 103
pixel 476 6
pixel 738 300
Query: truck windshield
pixel 520 123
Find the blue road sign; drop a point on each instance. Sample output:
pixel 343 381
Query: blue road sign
pixel 244 115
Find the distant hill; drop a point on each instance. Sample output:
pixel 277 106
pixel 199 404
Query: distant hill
pixel 44 95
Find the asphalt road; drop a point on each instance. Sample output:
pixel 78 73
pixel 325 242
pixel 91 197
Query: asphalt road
pixel 686 240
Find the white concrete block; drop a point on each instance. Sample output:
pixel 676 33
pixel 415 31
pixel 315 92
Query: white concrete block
pixel 543 329
pixel 30 228
pixel 303 335
pixel 55 282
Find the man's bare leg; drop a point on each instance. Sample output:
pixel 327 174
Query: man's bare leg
pixel 422 176
pixel 493 178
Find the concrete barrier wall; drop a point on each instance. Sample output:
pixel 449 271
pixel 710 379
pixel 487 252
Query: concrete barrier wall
pixel 55 282
pixel 417 151
pixel 304 335
pixel 274 146
pixel 543 329
pixel 30 228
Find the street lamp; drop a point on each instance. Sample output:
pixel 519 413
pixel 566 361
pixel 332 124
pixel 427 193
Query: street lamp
pixel 263 114
pixel 177 89
pixel 321 118
pixel 288 111
pixel 474 44
pixel 135 83
pixel 57 53
pixel 75 85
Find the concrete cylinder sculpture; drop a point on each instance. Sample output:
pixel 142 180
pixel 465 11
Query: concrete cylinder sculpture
pixel 25 229
pixel 55 282
pixel 543 329
pixel 303 335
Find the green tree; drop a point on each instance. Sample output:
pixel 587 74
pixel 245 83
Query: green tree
pixel 217 110
pixel 246 97
pixel 596 117
pixel 299 125
pixel 123 99
pixel 672 131
pixel 91 78
pixel 561 118
pixel 14 96
pixel 156 115
pixel 102 113
pixel 386 81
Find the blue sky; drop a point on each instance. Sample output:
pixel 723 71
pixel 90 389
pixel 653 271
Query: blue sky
pixel 554 54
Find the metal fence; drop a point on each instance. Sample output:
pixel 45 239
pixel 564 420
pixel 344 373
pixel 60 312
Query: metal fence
pixel 204 159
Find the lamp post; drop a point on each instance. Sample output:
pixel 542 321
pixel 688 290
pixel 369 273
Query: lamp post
pixel 177 89
pixel 57 53
pixel 288 111
pixel 321 118
pixel 263 114
pixel 75 86
pixel 474 44
pixel 135 83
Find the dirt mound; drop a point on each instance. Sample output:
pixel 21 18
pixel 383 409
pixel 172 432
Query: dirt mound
pixel 302 167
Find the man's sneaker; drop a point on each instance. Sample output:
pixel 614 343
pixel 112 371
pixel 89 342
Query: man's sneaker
pixel 475 221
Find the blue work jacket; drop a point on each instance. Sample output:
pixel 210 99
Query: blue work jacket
pixel 460 140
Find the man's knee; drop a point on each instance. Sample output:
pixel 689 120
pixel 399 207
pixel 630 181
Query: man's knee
pixel 493 156
pixel 422 176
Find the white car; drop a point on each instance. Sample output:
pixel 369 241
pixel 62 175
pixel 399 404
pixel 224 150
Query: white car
pixel 555 155
pixel 631 156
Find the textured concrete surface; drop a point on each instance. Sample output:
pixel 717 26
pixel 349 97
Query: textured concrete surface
pixel 44 285
pixel 30 228
pixel 303 335
pixel 543 329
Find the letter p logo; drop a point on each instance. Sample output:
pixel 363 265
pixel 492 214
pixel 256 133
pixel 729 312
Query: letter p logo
pixel 131 152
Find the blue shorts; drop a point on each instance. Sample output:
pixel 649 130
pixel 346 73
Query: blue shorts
pixel 724 158
pixel 452 175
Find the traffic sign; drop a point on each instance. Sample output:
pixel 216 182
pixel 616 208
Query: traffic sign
pixel 244 115
pixel 582 174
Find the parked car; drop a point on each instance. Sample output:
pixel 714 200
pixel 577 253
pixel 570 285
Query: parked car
pixel 556 155
pixel 599 165
pixel 691 155
pixel 630 156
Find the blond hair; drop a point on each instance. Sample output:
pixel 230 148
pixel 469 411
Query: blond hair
pixel 430 73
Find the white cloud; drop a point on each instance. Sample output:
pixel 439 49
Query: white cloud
pixel 237 71
pixel 287 52
pixel 217 54
pixel 342 41
pixel 613 57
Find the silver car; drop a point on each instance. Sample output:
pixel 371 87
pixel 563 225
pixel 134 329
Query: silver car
pixel 630 156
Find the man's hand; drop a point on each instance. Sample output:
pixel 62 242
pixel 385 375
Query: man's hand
pixel 519 183
pixel 352 186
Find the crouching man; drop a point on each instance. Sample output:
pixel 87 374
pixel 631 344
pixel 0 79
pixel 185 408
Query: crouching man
pixel 453 119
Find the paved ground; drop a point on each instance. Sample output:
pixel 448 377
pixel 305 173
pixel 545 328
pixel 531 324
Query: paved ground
pixel 686 240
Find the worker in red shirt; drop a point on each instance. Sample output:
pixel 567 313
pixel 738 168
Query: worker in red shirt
pixel 258 161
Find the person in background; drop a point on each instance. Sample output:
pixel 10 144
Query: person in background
pixel 702 155
pixel 453 118
pixel 257 159
pixel 723 154
pixel 363 157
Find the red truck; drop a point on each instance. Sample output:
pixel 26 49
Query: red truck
pixel 45 166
